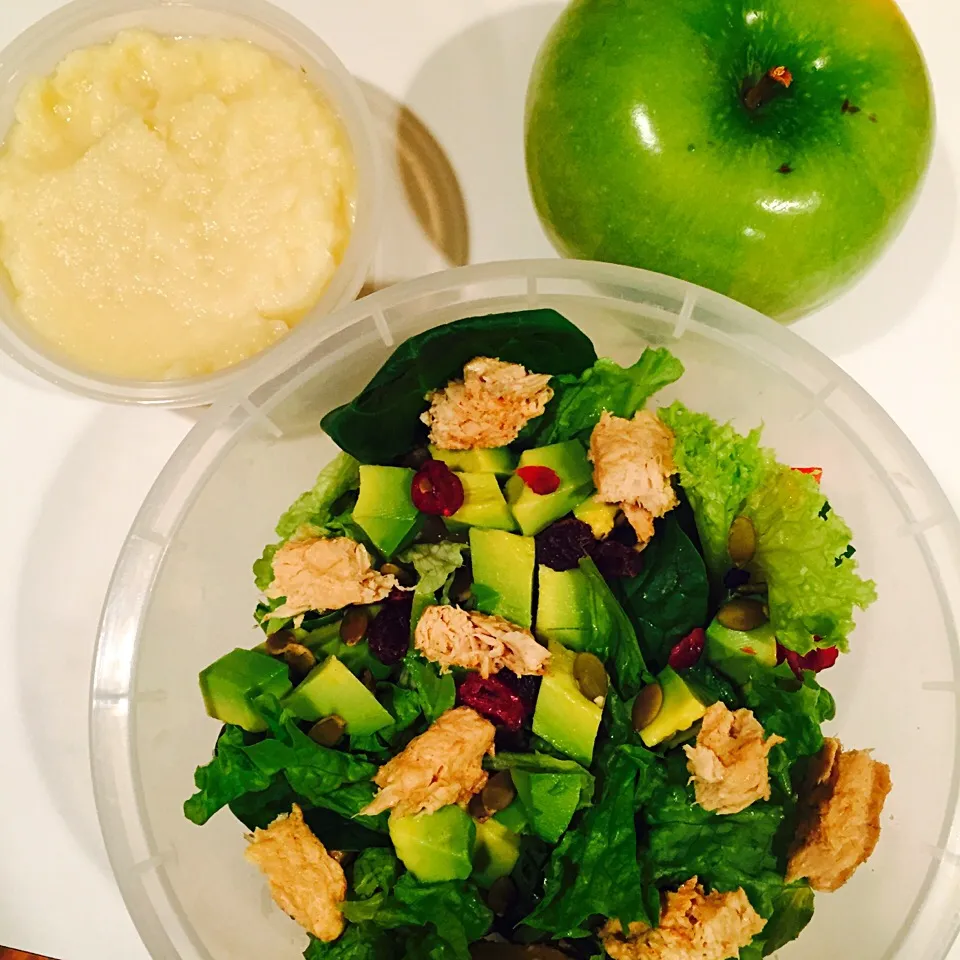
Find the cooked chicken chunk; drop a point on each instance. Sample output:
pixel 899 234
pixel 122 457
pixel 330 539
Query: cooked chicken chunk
pixel 693 926
pixel 306 882
pixel 840 805
pixel 459 638
pixel 325 575
pixel 440 767
pixel 632 466
pixel 488 408
pixel 728 765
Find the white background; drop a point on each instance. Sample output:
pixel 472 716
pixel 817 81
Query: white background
pixel 73 472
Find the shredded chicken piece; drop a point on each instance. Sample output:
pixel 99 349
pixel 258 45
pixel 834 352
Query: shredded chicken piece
pixel 632 466
pixel 488 408
pixel 693 926
pixel 440 767
pixel 728 766
pixel 840 805
pixel 306 882
pixel 459 638
pixel 322 575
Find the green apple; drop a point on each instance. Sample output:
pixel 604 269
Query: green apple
pixel 768 150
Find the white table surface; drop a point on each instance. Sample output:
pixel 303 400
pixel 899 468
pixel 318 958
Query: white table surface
pixel 74 472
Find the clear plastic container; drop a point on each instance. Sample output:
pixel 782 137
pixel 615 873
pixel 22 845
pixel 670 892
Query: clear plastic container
pixel 84 22
pixel 182 595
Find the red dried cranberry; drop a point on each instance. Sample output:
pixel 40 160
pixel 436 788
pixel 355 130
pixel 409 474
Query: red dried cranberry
pixel 388 635
pixel 815 472
pixel 527 686
pixel 561 545
pixel 437 490
pixel 492 698
pixel 688 651
pixel 816 660
pixel 615 559
pixel 541 480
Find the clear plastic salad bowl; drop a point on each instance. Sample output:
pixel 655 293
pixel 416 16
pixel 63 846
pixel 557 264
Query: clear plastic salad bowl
pixel 183 593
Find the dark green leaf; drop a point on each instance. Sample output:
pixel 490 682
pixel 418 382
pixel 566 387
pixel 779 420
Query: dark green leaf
pixel 261 808
pixel 338 832
pixel 793 910
pixel 620 648
pixel 669 597
pixel 436 693
pixel 383 422
pixel 357 943
pixel 375 870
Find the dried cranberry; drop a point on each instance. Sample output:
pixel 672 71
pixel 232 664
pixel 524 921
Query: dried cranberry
pixel 494 699
pixel 563 543
pixel 616 559
pixel 815 472
pixel 688 651
pixel 437 490
pixel 388 635
pixel 816 660
pixel 527 686
pixel 541 480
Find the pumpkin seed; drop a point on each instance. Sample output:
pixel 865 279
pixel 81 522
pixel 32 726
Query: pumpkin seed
pixel 591 677
pixel 353 626
pixel 501 896
pixel 742 613
pixel 499 792
pixel 477 808
pixel 299 659
pixel 742 541
pixel 647 706
pixel 279 641
pixel 329 731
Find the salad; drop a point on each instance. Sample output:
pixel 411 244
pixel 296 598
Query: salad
pixel 540 671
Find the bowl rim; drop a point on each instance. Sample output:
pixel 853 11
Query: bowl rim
pixel 130 848
pixel 345 96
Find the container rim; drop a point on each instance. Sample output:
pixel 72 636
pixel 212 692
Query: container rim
pixel 133 855
pixel 345 96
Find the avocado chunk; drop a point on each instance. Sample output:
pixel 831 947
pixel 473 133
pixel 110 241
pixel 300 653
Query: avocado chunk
pixel 550 801
pixel 230 684
pixel 514 818
pixel 735 652
pixel 483 504
pixel 385 510
pixel 500 461
pixel 496 853
pixel 564 717
pixel 503 564
pixel 536 511
pixel 567 609
pixel 680 710
pixel 436 846
pixel 599 516
pixel 331 689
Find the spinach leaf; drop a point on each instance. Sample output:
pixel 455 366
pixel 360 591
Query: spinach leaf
pixel 792 911
pixel 404 706
pixel 619 648
pixel 357 943
pixel 260 808
pixel 669 597
pixel 437 693
pixel 594 870
pixel 227 777
pixel 580 401
pixel 383 422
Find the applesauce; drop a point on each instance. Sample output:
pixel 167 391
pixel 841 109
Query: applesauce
pixel 171 206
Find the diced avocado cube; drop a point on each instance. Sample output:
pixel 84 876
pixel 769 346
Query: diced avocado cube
pixel 385 510
pixel 230 684
pixel 496 853
pixel 483 504
pixel 567 609
pixel 536 511
pixel 514 817
pixel 500 461
pixel 331 689
pixel 564 717
pixel 503 563
pixel 550 801
pixel 436 846
pixel 599 516
pixel 734 652
pixel 680 710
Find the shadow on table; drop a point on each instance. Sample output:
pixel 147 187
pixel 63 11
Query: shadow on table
pixel 893 287
pixel 85 517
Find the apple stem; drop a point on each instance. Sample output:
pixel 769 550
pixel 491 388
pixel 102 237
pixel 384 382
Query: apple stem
pixel 773 82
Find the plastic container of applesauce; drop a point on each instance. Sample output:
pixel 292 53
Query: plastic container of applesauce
pixel 183 594
pixel 87 22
